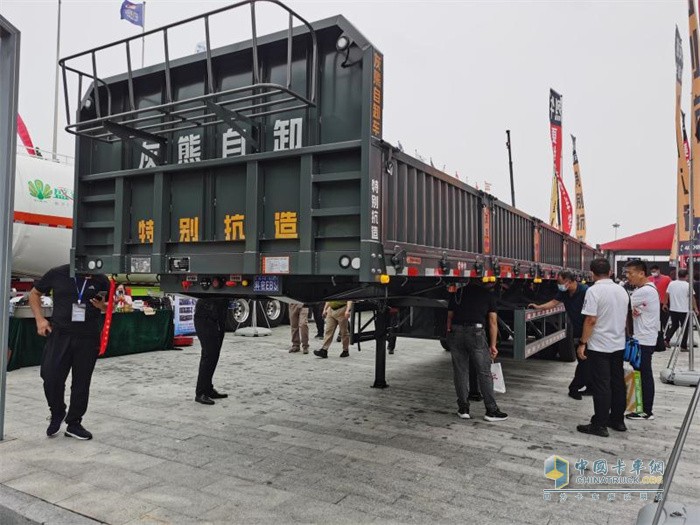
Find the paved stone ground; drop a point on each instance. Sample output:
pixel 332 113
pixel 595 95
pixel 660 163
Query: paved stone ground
pixel 306 440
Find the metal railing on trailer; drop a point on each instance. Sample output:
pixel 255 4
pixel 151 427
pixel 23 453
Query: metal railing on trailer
pixel 153 122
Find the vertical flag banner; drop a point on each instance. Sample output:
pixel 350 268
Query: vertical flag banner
pixel 25 137
pixel 555 113
pixel 554 204
pixel 580 209
pixel 695 102
pixel 132 12
pixel 683 189
pixel 683 247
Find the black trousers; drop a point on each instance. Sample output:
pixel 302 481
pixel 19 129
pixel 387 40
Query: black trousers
pixel 75 353
pixel 647 379
pixel 318 319
pixel 608 383
pixel 663 314
pixel 211 336
pixel 677 320
pixel 581 375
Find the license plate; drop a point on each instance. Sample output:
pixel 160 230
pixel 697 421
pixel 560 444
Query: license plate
pixel 266 284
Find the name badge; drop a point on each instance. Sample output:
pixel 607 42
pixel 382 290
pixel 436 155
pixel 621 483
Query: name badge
pixel 78 315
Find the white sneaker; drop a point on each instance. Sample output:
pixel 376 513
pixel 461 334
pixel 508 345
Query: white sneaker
pixel 464 414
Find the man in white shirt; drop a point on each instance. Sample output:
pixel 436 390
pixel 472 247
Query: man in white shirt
pixel 603 344
pixel 646 323
pixel 676 302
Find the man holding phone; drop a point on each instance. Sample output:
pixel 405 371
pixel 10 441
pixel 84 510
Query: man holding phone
pixel 73 342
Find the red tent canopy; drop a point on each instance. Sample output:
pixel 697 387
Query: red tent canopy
pixel 657 240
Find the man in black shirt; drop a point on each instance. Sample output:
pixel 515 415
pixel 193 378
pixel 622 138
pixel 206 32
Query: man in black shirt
pixel 572 294
pixel 471 309
pixel 73 342
pixel 210 324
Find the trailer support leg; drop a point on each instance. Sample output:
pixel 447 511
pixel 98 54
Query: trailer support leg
pixel 380 325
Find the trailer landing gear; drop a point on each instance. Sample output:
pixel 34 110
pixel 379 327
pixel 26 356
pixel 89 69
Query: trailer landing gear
pixel 359 333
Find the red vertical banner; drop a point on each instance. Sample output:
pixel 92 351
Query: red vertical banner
pixel 555 114
pixel 104 338
pixel 486 223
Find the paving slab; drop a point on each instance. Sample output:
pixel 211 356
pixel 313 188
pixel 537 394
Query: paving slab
pixel 305 440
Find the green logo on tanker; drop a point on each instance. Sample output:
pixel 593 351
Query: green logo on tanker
pixel 39 190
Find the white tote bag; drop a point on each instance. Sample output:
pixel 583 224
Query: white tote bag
pixel 499 383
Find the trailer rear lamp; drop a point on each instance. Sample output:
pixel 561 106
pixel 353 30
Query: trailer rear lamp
pixel 217 283
pixel 492 279
pixel 485 279
pixel 342 44
pixel 355 263
pixel 186 285
pixel 91 265
pixel 231 284
pixel 244 283
pixel 344 262
pixel 537 280
pixel 98 263
pixel 384 278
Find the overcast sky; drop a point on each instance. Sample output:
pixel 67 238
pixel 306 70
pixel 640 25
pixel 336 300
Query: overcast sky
pixel 457 75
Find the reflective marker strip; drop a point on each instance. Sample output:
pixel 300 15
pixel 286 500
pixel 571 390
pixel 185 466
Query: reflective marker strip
pixel 36 219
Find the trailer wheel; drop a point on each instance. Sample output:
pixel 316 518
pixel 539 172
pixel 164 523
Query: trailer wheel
pixel 565 347
pixel 239 314
pixel 273 310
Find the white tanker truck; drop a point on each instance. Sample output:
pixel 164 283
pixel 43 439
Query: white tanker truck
pixel 43 215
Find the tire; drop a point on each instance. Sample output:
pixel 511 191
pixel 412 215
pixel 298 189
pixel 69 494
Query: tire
pixel 273 310
pixel 239 314
pixel 284 319
pixel 565 347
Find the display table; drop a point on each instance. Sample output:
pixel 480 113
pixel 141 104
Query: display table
pixel 131 333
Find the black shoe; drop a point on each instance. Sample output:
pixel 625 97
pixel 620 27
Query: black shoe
pixel 319 336
pixel 496 415
pixel 337 339
pixel 204 399
pixel 216 395
pixel 576 395
pixel 77 431
pixel 391 351
pixel 345 354
pixel 476 396
pixel 620 427
pixel 587 392
pixel 593 430
pixel 55 425
pixel 321 353
pixel 640 415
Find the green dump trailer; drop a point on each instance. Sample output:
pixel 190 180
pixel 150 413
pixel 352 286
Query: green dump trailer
pixel 259 170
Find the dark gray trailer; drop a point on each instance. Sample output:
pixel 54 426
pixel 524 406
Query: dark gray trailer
pixel 259 170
